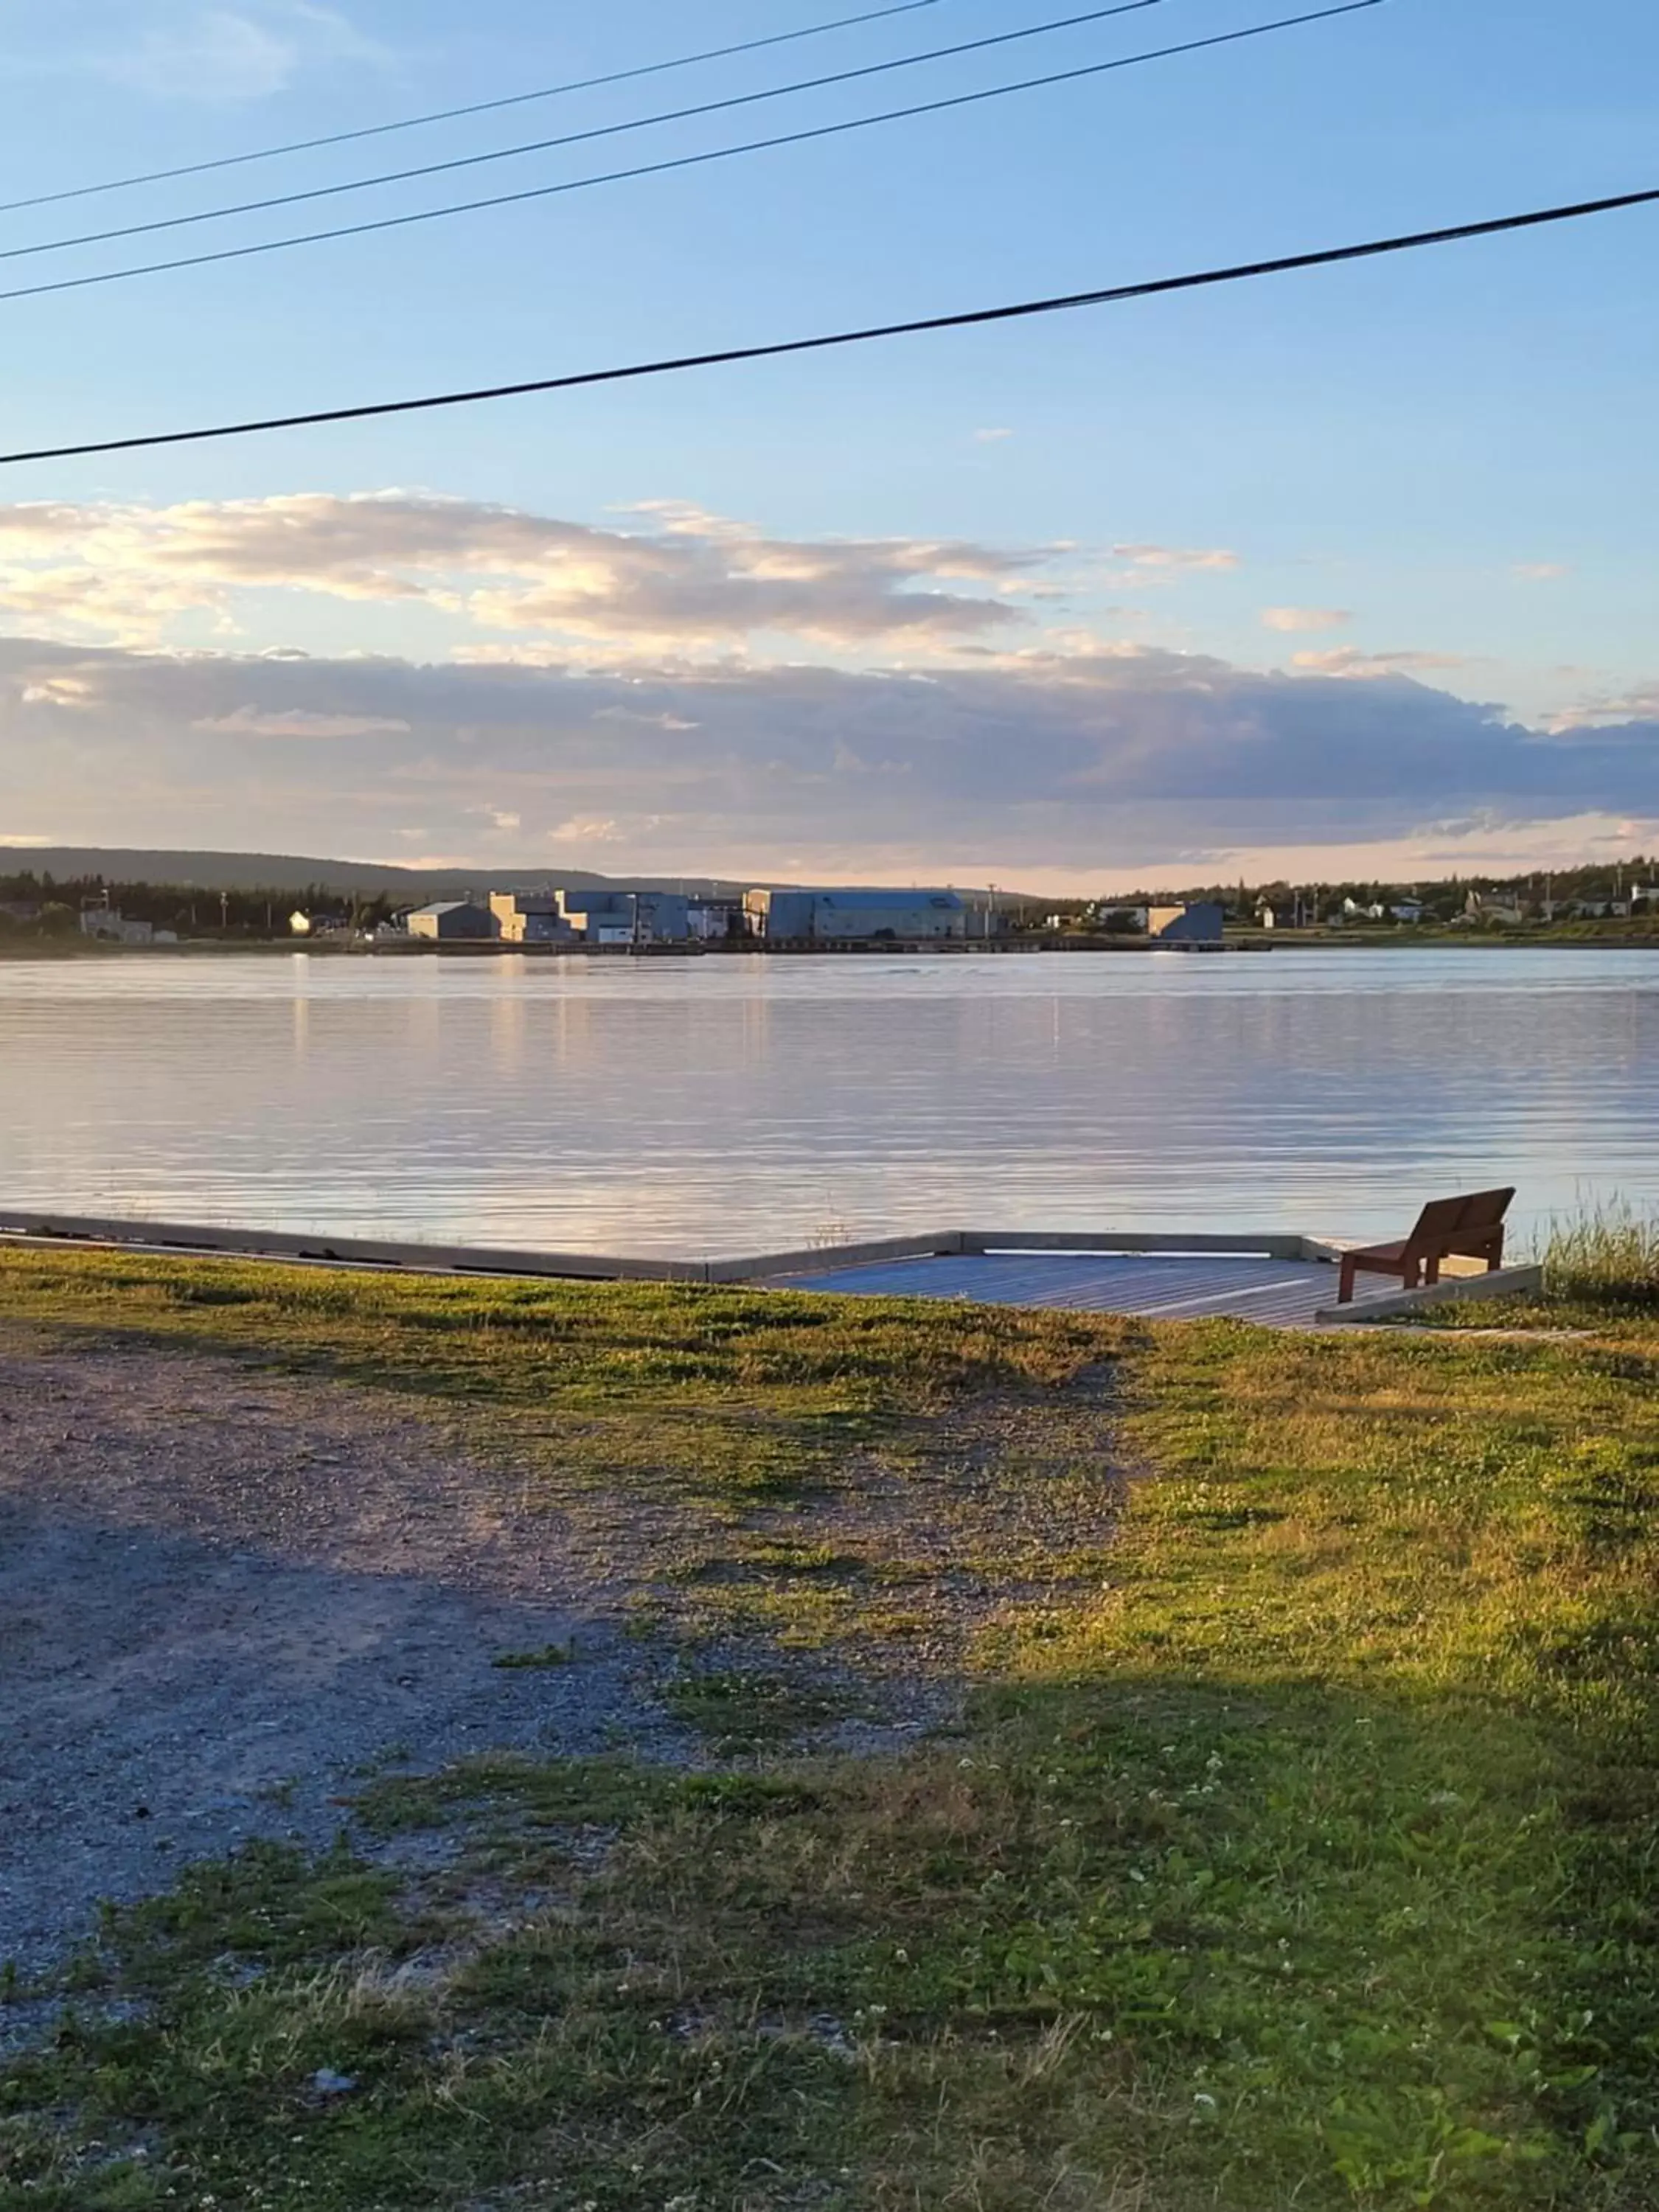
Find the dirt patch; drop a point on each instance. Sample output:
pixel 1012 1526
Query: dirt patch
pixel 229 1594
pixel 223 1592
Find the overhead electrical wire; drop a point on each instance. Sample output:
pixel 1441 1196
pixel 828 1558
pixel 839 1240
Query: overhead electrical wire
pixel 1149 288
pixel 457 115
pixel 576 138
pixel 685 160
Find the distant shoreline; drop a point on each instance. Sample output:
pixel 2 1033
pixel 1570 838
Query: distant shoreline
pixel 38 951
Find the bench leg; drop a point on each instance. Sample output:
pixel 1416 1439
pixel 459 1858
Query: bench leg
pixel 1344 1284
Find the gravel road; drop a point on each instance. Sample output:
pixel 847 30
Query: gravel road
pixel 223 1594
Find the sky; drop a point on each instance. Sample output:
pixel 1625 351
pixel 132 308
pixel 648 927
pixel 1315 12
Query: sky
pixel 1348 573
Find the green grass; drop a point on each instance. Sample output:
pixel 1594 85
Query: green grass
pixel 1607 1255
pixel 1601 1279
pixel 747 1709
pixel 1297 1849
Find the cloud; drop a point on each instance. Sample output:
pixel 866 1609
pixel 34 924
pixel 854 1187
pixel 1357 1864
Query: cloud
pixel 1176 556
pixel 1639 705
pixel 684 579
pixel 1304 618
pixel 1102 758
pixel 991 437
pixel 1540 572
pixel 235 53
pixel 1348 660
pixel 66 692
pixel 299 722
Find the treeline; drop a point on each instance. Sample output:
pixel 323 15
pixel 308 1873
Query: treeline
pixel 1604 883
pixel 42 905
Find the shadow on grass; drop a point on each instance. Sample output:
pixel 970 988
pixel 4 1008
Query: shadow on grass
pixel 1129 1939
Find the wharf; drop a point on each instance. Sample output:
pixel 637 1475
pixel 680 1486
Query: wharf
pixel 1277 1279
pixel 1154 1286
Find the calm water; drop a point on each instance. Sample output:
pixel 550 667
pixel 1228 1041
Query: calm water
pixel 728 1105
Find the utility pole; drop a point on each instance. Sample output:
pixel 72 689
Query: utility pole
pixel 224 909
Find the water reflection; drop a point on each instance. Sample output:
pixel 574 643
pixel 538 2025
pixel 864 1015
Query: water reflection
pixel 727 1104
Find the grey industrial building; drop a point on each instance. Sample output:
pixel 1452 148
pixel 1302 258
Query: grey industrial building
pixel 452 922
pixel 846 917
pixel 530 918
pixel 613 917
pixel 1197 924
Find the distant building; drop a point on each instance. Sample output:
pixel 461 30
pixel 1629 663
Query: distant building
pixel 712 920
pixel 1407 910
pixel 844 917
pixel 1200 924
pixel 530 918
pixel 113 927
pixel 608 916
pixel 1487 906
pixel 303 924
pixel 453 921
pixel 1118 920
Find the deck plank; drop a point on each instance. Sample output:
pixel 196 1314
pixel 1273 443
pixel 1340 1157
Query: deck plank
pixel 1280 1293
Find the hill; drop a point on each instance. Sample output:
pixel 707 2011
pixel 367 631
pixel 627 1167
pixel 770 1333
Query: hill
pixel 287 871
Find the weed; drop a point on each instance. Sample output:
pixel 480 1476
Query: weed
pixel 551 1654
pixel 746 1709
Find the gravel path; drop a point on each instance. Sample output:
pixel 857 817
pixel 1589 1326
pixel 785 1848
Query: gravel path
pixel 223 1594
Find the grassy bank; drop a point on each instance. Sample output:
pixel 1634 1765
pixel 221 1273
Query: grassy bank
pixel 1295 1846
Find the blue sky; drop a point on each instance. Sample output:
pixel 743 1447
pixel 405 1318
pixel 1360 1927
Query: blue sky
pixel 1433 479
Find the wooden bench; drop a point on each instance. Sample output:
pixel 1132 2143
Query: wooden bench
pixel 1466 1227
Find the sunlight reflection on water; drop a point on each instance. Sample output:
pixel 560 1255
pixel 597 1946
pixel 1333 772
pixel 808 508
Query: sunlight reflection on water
pixel 732 1104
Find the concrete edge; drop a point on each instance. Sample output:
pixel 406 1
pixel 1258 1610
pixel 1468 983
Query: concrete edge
pixel 1269 1244
pixel 1452 1290
pixel 207 1239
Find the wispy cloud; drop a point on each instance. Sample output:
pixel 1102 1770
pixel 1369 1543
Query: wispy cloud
pixel 299 722
pixel 1639 704
pixel 244 51
pixel 1348 660
pixel 1540 572
pixel 1305 618
pixel 1176 557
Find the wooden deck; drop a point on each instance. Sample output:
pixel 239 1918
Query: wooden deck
pixel 1173 1286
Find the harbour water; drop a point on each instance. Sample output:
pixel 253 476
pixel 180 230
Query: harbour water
pixel 705 1108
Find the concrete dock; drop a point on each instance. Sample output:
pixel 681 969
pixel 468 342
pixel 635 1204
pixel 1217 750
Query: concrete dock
pixel 1158 1286
pixel 1280 1278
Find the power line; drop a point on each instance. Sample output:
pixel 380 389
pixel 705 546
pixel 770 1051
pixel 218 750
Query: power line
pixel 455 114
pixel 682 161
pixel 573 137
pixel 1112 294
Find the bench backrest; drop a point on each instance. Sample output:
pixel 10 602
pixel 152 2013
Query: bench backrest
pixel 1445 1223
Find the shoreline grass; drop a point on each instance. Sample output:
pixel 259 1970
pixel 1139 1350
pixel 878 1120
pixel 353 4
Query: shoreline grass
pixel 1604 1254
pixel 1302 1853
